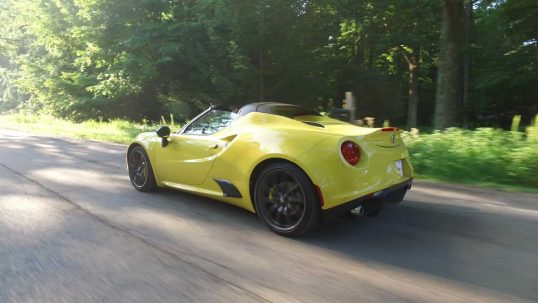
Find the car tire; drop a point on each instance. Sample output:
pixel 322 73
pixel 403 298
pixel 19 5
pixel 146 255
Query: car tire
pixel 285 200
pixel 140 170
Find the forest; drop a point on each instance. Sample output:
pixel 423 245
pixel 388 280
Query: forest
pixel 422 63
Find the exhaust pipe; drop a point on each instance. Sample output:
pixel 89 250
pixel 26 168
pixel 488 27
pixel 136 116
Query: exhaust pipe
pixel 359 211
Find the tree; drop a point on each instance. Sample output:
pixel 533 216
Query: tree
pixel 447 100
pixel 412 58
pixel 504 65
pixel 468 29
pixel 88 59
pixel 411 32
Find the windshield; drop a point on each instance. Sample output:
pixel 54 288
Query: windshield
pixel 210 123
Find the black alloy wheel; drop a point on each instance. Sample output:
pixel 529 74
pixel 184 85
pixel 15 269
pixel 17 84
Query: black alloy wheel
pixel 140 171
pixel 286 200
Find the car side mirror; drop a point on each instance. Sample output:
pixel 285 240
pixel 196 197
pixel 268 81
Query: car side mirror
pixel 164 132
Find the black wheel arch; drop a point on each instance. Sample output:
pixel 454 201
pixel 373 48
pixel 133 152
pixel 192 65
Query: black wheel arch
pixel 259 169
pixel 129 149
pixel 133 145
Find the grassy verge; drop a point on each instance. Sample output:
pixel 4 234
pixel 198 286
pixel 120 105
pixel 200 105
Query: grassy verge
pixel 483 157
pixel 119 131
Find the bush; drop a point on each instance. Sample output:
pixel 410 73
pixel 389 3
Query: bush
pixel 484 155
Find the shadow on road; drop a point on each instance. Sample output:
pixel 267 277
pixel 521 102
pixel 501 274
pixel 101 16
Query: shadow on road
pixel 460 243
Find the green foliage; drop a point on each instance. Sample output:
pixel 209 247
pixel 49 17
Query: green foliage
pixel 117 130
pixel 505 54
pixel 483 155
pixel 374 42
pixel 91 59
pixel 9 94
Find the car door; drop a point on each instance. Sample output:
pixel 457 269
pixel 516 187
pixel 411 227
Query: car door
pixel 189 155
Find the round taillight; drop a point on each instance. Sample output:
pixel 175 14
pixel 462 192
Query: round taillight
pixel 351 152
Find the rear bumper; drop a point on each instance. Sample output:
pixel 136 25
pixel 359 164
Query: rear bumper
pixel 375 197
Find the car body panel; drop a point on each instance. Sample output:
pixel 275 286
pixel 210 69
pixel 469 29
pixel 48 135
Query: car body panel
pixel 187 159
pixel 193 162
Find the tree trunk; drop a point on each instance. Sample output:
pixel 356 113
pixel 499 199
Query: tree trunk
pixel 468 9
pixel 413 61
pixel 261 6
pixel 261 80
pixel 447 104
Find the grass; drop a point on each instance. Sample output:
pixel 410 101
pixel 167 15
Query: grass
pixel 484 157
pixel 119 131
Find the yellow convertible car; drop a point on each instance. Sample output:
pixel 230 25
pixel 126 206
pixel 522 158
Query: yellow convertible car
pixel 292 166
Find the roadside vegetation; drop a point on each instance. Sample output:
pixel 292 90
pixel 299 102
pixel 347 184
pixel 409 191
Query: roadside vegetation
pixel 484 156
pixel 119 131
pixel 85 68
pixel 93 59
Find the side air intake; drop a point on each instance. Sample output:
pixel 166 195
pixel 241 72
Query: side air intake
pixel 314 124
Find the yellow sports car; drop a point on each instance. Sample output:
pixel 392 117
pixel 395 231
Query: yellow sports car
pixel 292 166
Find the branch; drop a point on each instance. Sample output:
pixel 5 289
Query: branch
pixel 405 55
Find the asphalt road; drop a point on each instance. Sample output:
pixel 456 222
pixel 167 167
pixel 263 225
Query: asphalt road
pixel 72 229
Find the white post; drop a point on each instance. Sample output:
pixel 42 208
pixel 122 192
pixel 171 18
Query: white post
pixel 350 102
